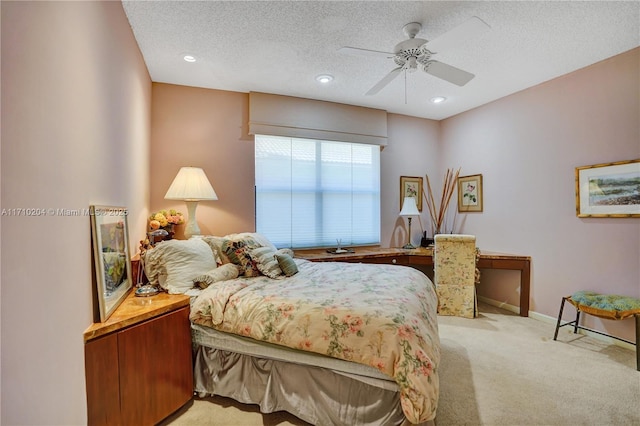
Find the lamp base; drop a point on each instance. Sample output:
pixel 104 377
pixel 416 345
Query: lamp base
pixel 409 246
pixel 192 227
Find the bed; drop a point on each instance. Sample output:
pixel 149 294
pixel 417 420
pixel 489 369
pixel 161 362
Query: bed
pixel 330 342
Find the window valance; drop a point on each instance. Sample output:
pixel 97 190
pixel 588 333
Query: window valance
pixel 279 115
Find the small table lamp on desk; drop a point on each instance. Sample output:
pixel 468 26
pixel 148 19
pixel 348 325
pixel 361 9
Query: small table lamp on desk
pixel 409 209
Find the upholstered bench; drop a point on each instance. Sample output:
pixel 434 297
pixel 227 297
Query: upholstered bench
pixel 607 306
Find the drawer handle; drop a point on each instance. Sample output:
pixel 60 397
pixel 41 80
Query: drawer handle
pixel 393 261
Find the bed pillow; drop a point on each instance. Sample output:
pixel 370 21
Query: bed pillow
pixel 266 262
pixel 255 236
pixel 216 246
pixel 287 264
pixel 238 253
pixel 286 251
pixel 174 264
pixel 225 272
pixel 216 243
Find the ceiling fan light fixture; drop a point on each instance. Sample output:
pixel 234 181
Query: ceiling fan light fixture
pixel 189 58
pixel 412 65
pixel 324 78
pixel 437 99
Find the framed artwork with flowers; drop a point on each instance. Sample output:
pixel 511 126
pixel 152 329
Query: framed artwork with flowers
pixel 110 241
pixel 470 193
pixel 411 186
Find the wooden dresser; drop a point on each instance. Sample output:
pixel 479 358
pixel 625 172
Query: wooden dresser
pixel 423 257
pixel 138 363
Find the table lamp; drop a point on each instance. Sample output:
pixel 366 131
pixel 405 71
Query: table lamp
pixel 191 185
pixel 409 209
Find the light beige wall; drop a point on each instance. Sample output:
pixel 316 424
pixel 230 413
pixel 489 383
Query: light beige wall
pixel 75 132
pixel 413 150
pixel 208 128
pixel 527 147
pixel 204 128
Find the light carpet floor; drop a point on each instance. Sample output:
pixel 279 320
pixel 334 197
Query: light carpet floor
pixel 497 369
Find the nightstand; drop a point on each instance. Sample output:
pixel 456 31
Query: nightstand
pixel 138 363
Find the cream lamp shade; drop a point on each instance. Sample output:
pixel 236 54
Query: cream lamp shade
pixel 191 185
pixel 409 209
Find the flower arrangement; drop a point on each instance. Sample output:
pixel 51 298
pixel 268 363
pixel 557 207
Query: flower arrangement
pixel 165 219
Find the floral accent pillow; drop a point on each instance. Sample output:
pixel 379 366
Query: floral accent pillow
pixel 225 272
pixel 238 253
pixel 260 239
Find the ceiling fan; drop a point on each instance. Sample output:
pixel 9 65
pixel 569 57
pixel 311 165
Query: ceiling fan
pixel 416 53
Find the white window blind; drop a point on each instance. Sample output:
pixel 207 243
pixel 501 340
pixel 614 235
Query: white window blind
pixel 309 193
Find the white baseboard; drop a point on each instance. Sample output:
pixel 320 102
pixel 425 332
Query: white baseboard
pixel 553 320
pixel 501 305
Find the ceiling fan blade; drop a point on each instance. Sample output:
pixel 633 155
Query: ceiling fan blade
pixel 365 52
pixel 449 73
pixel 385 80
pixel 457 36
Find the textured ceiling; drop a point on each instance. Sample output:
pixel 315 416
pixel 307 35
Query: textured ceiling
pixel 280 47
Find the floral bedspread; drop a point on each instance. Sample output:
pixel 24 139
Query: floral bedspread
pixel 378 315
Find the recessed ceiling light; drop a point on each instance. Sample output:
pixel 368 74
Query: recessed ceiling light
pixel 437 100
pixel 324 78
pixel 189 58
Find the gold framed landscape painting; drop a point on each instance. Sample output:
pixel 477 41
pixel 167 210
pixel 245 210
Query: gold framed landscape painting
pixel 608 189
pixel 411 186
pixel 470 193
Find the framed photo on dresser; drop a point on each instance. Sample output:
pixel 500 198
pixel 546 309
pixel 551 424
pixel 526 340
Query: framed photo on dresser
pixel 111 258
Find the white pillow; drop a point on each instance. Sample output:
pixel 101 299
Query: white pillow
pixel 216 246
pixel 174 264
pixel 225 272
pixel 286 251
pixel 265 259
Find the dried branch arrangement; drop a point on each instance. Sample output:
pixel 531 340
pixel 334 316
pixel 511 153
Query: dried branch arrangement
pixel 437 215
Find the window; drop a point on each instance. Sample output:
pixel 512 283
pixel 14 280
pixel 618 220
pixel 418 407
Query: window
pixel 309 193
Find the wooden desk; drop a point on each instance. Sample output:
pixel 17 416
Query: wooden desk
pixel 424 256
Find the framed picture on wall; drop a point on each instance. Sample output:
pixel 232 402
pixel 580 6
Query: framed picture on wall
pixel 470 193
pixel 411 186
pixel 110 240
pixel 608 189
